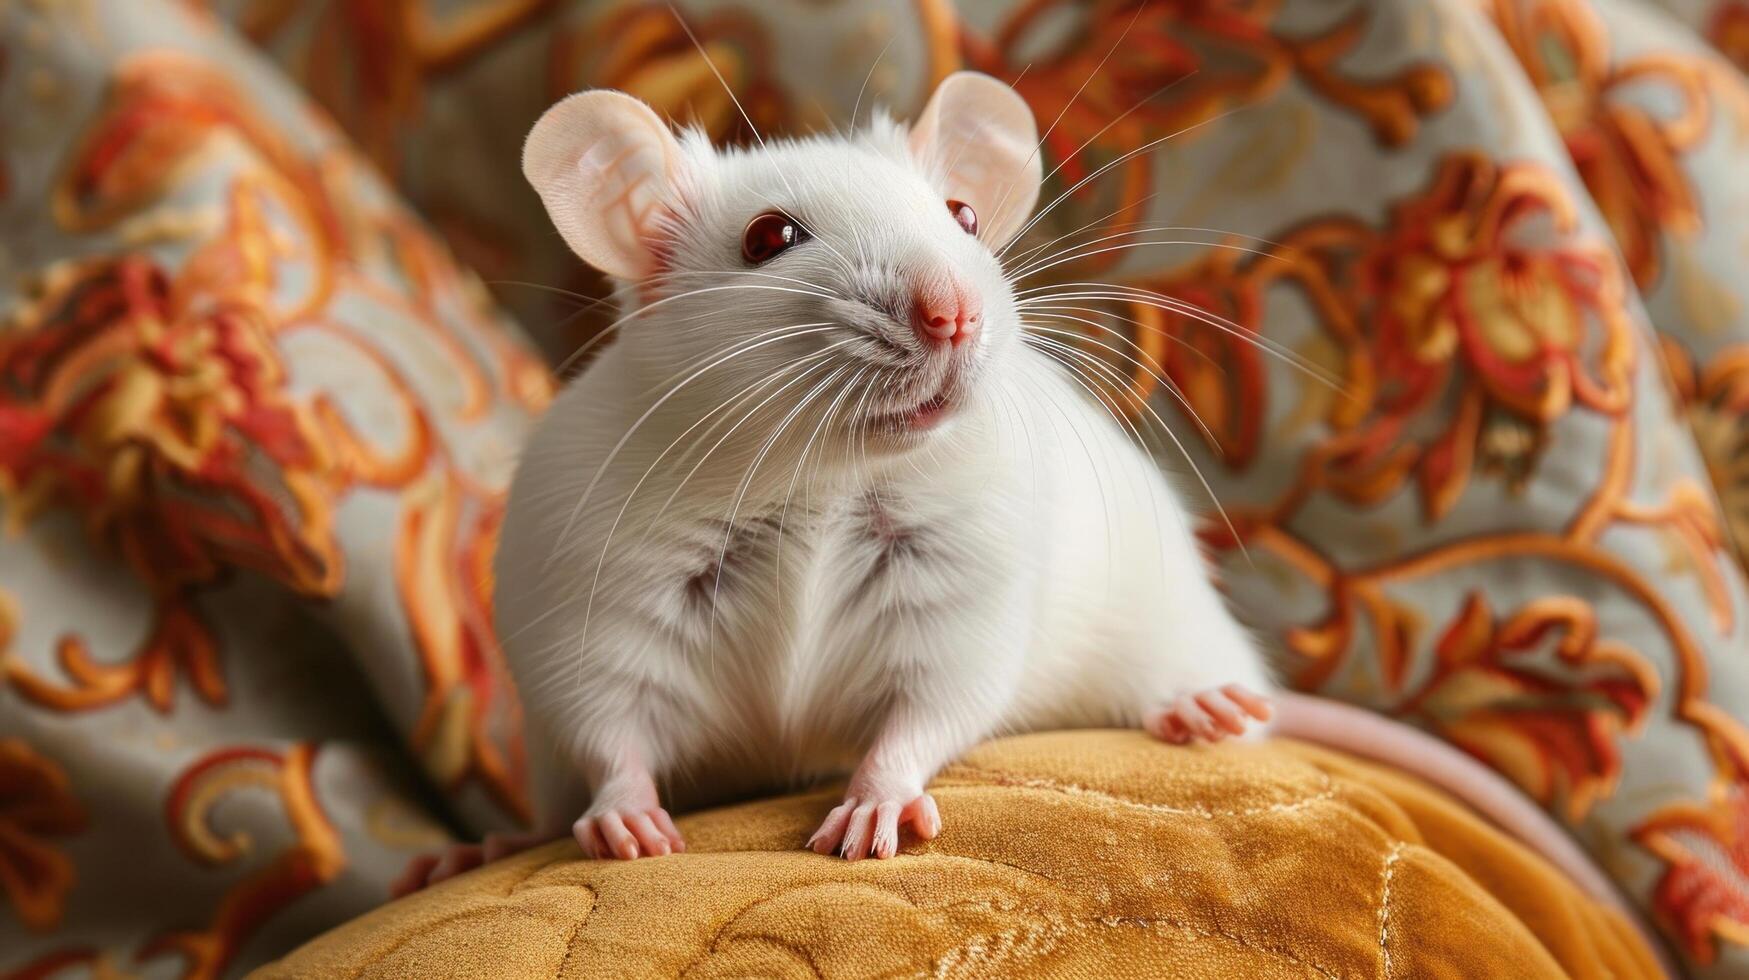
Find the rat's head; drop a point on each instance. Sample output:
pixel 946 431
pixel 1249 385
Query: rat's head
pixel 845 287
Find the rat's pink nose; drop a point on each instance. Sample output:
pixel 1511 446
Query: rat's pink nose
pixel 946 310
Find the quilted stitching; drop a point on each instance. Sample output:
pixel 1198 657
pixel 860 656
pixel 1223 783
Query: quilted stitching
pixel 1045 866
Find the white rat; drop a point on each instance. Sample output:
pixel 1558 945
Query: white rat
pixel 821 509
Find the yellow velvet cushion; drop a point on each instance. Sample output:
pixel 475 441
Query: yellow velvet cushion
pixel 1086 854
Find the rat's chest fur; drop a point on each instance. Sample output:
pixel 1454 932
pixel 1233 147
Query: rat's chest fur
pixel 792 630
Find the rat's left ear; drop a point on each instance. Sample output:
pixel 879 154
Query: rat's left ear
pixel 981 135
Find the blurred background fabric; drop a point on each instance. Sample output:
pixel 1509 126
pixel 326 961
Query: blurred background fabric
pixel 1456 325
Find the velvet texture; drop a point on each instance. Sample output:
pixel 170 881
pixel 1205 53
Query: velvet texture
pixel 1077 854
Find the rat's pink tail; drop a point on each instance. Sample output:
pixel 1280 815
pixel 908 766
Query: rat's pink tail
pixel 1374 737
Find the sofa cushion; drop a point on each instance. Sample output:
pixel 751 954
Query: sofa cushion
pixel 1067 854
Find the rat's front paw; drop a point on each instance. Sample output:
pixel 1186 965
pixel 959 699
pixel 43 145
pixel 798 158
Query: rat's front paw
pixel 864 826
pixel 1210 715
pixel 627 832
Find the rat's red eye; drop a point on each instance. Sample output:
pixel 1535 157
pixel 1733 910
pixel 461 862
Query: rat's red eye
pixel 963 213
pixel 769 234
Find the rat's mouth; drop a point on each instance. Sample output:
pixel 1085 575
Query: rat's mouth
pixel 921 417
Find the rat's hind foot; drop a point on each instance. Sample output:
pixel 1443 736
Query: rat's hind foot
pixel 868 825
pixel 1210 715
pixel 429 869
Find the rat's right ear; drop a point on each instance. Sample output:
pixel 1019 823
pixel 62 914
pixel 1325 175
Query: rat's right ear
pixel 604 164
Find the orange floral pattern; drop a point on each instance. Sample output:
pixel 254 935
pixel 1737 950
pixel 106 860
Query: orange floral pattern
pixel 1728 29
pixel 1557 736
pixel 653 58
pixel 1699 897
pixel 36 806
pixel 1129 75
pixel 155 417
pixel 251 359
pixel 445 527
pixel 315 858
pixel 1477 285
pixel 1628 157
pixel 1715 396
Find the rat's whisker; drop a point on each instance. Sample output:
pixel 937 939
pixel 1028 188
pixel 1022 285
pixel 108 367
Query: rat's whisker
pixel 856 108
pixel 1092 224
pixel 734 401
pixel 1061 415
pixel 818 356
pixel 585 299
pixel 1057 201
pixel 1070 102
pixel 826 419
pixel 648 308
pixel 801 365
pixel 1076 153
pixel 745 393
pixel 712 65
pixel 1150 298
pixel 1086 251
pixel 563 491
pixel 825 292
pixel 809 362
pixel 1183 450
pixel 759 457
pixel 762 341
pixel 1102 380
pixel 1056 311
pixel 860 419
pixel 1031 266
pixel 1193 312
pixel 1160 378
pixel 1096 388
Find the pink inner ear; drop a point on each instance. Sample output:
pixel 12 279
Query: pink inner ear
pixel 982 133
pixel 603 163
pixel 630 200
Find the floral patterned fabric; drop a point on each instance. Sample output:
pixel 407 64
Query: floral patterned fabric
pixel 255 426
pixel 1454 290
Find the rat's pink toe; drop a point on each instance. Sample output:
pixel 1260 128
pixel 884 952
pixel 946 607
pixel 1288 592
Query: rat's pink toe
pixel 886 829
pixel 827 839
pixel 1225 713
pixel 628 834
pixel 858 828
pixel 1211 715
pixel 923 817
pixel 860 833
pixel 665 824
pixel 1194 718
pixel 650 840
pixel 1255 705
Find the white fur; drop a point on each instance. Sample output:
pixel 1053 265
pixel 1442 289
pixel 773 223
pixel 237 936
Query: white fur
pixel 1022 566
